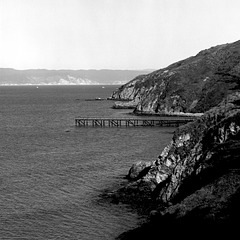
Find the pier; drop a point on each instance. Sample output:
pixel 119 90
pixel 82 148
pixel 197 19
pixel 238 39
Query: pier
pixel 131 122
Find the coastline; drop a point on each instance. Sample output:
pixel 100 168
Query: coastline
pixel 194 182
pixel 126 104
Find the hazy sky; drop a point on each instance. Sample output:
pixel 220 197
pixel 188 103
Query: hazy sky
pixel 113 34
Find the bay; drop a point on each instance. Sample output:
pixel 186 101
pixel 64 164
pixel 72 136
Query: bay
pixel 52 173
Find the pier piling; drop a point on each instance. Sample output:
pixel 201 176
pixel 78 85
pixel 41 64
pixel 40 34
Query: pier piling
pixel 131 122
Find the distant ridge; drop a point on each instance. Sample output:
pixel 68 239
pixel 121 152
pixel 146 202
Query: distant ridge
pixel 10 76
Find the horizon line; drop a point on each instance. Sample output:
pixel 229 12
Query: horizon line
pixel 80 69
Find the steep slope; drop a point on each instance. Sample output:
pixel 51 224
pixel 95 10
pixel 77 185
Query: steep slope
pixel 197 150
pixel 195 181
pixel 192 85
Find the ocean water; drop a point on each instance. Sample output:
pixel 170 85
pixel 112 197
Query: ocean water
pixel 52 173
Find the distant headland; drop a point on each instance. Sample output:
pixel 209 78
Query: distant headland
pixel 10 76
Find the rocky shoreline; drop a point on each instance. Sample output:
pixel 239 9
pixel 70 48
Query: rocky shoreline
pixel 194 84
pixel 124 105
pixel 195 181
pixel 194 184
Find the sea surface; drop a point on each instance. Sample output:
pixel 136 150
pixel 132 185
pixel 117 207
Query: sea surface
pixel 52 173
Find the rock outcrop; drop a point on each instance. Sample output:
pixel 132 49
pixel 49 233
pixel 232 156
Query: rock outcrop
pixel 196 178
pixel 138 170
pixel 124 105
pixel 195 84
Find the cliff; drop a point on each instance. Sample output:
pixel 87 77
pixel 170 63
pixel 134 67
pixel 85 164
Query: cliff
pixel 195 181
pixel 192 85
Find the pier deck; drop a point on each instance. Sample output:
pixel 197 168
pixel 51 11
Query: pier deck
pixel 130 122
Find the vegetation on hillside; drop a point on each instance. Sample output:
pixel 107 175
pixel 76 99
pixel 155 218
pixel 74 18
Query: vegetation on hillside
pixel 195 84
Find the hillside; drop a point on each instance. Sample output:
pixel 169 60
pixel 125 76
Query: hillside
pixel 192 85
pixel 194 184
pixel 9 76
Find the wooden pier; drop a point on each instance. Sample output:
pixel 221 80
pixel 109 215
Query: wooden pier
pixel 130 122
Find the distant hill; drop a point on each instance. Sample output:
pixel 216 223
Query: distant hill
pixel 192 85
pixel 9 76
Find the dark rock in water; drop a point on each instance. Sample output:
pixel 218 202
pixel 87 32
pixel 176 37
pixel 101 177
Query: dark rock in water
pixel 195 182
pixel 138 170
pixel 195 84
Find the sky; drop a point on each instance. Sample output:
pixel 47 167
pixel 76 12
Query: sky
pixel 112 34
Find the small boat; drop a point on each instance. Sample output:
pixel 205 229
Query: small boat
pixel 95 99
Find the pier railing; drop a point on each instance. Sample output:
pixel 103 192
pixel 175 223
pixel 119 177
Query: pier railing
pixel 130 122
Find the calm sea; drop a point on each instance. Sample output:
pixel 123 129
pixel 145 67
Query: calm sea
pixel 52 173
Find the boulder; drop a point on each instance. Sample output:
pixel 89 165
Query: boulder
pixel 138 170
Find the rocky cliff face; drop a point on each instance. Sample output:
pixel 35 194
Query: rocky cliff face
pixel 196 150
pixel 197 176
pixel 193 85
